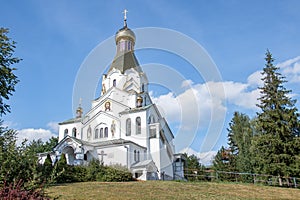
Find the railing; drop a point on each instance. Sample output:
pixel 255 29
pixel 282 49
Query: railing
pixel 265 179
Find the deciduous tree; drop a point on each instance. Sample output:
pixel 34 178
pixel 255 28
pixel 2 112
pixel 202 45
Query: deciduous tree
pixel 8 79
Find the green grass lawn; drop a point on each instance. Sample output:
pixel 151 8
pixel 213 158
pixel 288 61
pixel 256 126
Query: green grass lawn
pixel 169 190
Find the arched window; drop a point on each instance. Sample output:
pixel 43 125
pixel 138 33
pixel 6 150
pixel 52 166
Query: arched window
pixel 74 131
pixel 96 133
pixel 138 156
pixel 89 132
pixel 134 155
pixel 122 46
pixel 128 127
pixel 101 132
pixel 66 132
pixel 106 132
pixel 114 82
pixel 138 125
pixel 143 87
pixel 129 46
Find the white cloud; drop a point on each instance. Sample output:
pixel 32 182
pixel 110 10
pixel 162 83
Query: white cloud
pixel 288 62
pixel 240 95
pixel 53 126
pixel 168 106
pixel 187 83
pixel 9 124
pixel 203 106
pixel 205 158
pixel 189 151
pixel 34 134
pixel 201 102
pixel 255 79
pixel 291 69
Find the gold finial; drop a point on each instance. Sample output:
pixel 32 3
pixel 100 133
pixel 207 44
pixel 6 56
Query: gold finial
pixel 79 110
pixel 125 17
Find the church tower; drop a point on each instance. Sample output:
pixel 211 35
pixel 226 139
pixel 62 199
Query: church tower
pixel 125 72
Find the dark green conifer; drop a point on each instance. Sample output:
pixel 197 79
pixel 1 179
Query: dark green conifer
pixel 278 125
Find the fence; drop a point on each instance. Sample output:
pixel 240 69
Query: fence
pixel 211 175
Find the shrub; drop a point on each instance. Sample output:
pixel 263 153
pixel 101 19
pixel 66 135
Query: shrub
pixel 79 173
pixel 94 169
pixel 116 175
pixel 47 168
pixel 16 191
pixel 98 172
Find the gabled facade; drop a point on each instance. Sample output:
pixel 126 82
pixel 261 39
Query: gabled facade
pixel 123 126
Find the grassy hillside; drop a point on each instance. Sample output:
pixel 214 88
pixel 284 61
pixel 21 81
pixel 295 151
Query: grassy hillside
pixel 169 190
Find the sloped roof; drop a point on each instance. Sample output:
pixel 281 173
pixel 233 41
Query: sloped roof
pixel 132 110
pixel 149 165
pixel 70 121
pixel 98 144
pixel 143 163
pixel 125 61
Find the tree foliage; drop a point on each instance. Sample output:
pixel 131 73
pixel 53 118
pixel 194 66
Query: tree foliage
pixel 237 157
pixel 38 146
pixel 224 161
pixel 240 133
pixel 278 125
pixel 18 163
pixel 8 79
pixel 193 169
pixel 47 168
pixel 270 142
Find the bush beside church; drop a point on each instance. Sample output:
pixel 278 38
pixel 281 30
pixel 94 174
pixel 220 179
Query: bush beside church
pixel 61 172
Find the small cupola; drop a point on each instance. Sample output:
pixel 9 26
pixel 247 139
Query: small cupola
pixel 125 41
pixel 79 110
pixel 125 38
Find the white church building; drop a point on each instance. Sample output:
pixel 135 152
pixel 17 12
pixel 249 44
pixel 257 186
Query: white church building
pixel 123 127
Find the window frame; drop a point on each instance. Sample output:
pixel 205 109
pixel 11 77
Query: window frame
pixel 96 133
pixel 128 127
pixel 138 125
pixel 74 132
pixel 101 135
pixel 106 132
pixel 66 131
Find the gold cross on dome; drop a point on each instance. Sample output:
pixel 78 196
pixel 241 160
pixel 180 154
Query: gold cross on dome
pixel 125 14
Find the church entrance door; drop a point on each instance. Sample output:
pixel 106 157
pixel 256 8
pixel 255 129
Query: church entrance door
pixel 70 155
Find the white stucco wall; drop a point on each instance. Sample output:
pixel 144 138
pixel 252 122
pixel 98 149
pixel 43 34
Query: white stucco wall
pixel 140 139
pixel 113 155
pixel 69 127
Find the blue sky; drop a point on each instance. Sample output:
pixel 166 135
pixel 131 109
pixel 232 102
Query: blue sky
pixel 54 37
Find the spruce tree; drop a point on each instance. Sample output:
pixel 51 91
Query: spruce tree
pixel 47 168
pixel 278 125
pixel 240 134
pixel 224 161
pixel 220 160
pixel 194 168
